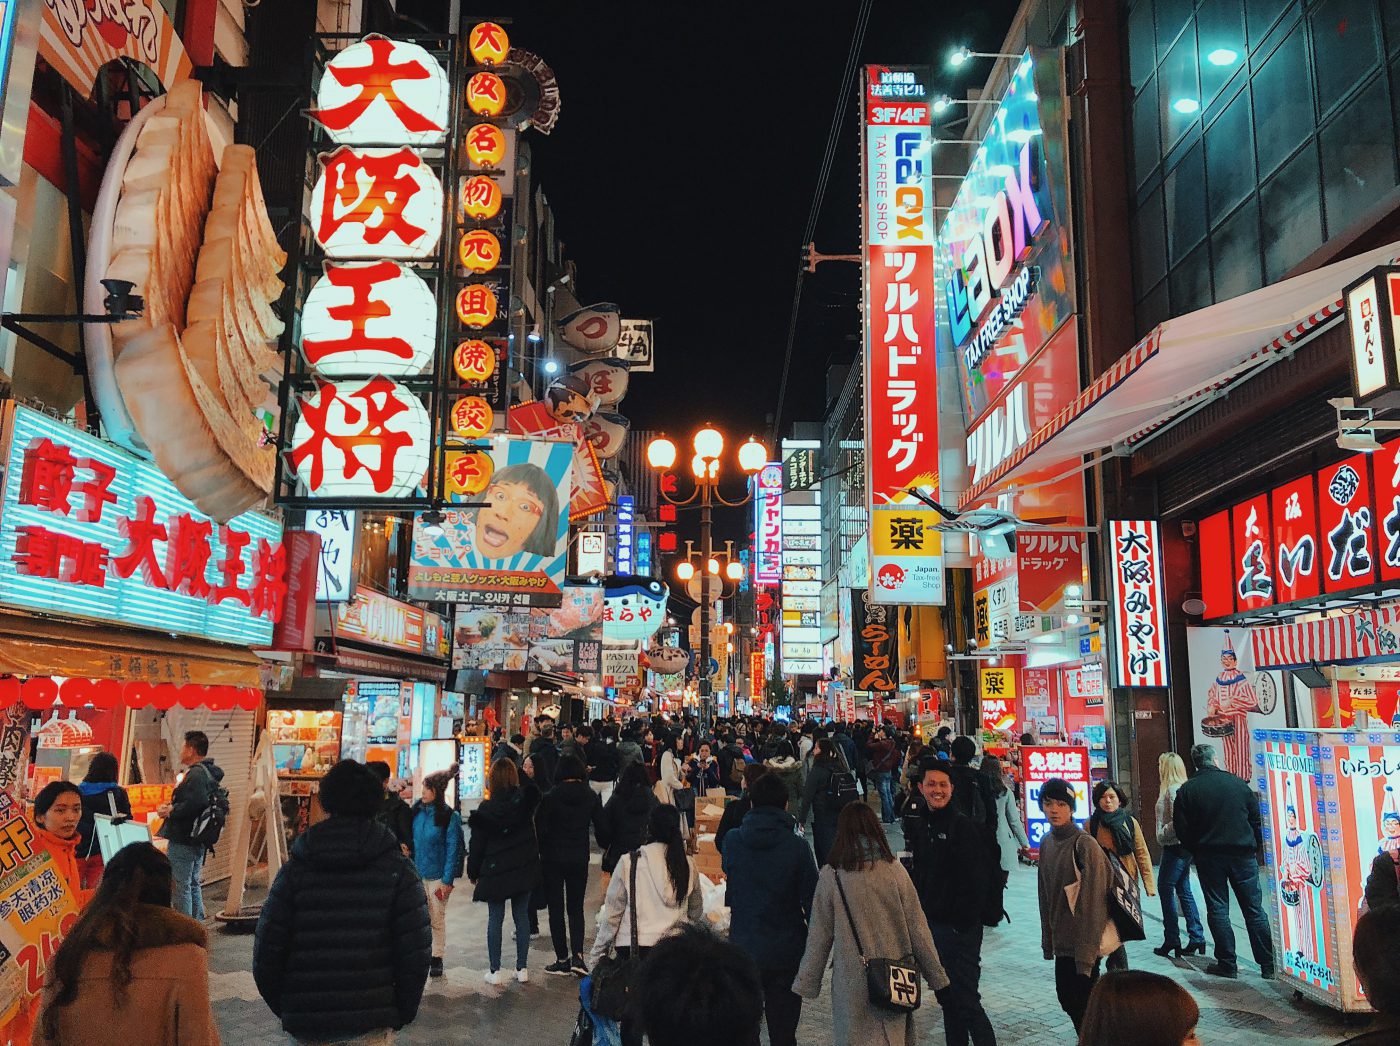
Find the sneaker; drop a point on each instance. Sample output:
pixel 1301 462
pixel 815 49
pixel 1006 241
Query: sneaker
pixel 435 967
pixel 1216 970
pixel 577 966
pixel 560 968
pixel 523 976
pixel 496 978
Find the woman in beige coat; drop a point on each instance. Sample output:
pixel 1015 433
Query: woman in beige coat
pixel 884 907
pixel 132 969
pixel 1116 830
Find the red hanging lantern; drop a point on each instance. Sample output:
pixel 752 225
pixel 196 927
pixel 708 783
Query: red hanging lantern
pixel 74 693
pixel 9 691
pixel 164 696
pixel 190 696
pixel 136 694
pixel 217 698
pixel 249 697
pixel 105 693
pixel 39 692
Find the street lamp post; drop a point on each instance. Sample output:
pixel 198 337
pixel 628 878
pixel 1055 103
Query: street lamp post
pixel 704 466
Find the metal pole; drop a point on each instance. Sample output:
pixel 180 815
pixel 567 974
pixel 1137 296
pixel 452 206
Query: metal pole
pixel 706 552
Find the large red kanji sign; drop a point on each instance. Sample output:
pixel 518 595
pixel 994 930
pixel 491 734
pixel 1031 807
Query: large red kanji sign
pixel 376 203
pixel 361 439
pixel 384 92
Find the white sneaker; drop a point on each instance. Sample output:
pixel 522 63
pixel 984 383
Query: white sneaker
pixel 523 976
pixel 496 978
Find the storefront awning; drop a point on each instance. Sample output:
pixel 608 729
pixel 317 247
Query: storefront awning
pixel 1183 364
pixel 1338 638
pixel 34 646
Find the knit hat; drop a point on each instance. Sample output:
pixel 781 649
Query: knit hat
pixel 1057 789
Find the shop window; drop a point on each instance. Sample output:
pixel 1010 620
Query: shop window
pixel 1179 90
pixel 1290 205
pixel 1153 309
pixel 1220 44
pixel 1234 248
pixel 1149 241
pixel 1358 158
pixel 1283 112
pixel 1142 49
pixel 1390 15
pixel 1171 16
pixel 1262 15
pixel 1230 157
pixel 1190 282
pixel 1185 194
pixel 1346 48
pixel 1147 149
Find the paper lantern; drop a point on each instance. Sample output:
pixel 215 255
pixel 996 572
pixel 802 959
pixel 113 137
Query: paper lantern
pixel 249 697
pixel 190 696
pixel 105 693
pixel 486 146
pixel 486 94
pixel 479 251
pixel 472 417
pixel 361 439
pixel 488 44
pixel 481 198
pixel 474 360
pixel 39 692
pixel 593 329
pixel 476 305
pixel 370 318
pixel 468 472
pixel 9 691
pixel 164 695
pixel 136 694
pixel 376 203
pixel 607 377
pixel 384 92
pixel 607 433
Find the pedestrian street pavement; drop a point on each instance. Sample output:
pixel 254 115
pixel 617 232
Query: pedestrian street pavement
pixel 1017 987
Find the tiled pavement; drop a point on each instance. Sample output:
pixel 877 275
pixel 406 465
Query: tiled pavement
pixel 1017 985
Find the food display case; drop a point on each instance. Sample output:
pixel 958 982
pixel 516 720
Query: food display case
pixel 378 723
pixel 305 744
pixel 1329 807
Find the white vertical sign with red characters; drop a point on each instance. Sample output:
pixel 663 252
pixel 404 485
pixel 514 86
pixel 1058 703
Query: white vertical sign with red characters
pixel 901 383
pixel 768 525
pixel 1139 604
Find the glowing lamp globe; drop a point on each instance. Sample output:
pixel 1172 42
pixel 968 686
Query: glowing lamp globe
pixel 685 571
pixel 703 468
pixel 367 319
pixel 476 305
pixel 376 203
pixel 384 92
pixel 734 571
pixel 486 146
pixel 472 417
pixel 753 455
pixel 709 443
pixel 661 453
pixel 467 472
pixel 474 360
pixel 481 197
pixel 486 94
pixel 479 251
pixel 488 43
pixel 713 566
pixel 361 439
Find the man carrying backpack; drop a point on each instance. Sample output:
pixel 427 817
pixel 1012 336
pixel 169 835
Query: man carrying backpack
pixel 198 791
pixel 960 884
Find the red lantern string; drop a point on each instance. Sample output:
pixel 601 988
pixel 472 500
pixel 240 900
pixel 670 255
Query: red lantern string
pixel 39 692
pixel 105 693
pixel 9 691
pixel 136 694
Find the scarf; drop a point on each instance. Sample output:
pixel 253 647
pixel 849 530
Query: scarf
pixel 1120 826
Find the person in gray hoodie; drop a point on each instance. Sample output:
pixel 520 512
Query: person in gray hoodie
pixel 1073 885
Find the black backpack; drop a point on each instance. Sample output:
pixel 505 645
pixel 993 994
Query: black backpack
pixel 209 823
pixel 841 790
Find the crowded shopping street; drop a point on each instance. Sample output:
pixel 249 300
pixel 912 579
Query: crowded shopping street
pixel 618 523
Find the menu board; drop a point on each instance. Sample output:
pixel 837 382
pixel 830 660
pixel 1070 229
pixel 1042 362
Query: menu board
pixel 305 742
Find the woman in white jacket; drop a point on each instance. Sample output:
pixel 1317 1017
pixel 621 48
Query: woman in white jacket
pixel 1011 834
pixel 668 893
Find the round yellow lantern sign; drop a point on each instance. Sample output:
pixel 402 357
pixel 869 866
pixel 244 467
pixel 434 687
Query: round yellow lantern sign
pixel 472 417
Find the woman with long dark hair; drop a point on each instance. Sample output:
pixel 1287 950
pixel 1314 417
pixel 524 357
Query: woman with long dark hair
pixel 624 824
pixel 671 779
pixel 1114 827
pixel 1011 834
pixel 438 855
pixel 817 797
pixel 503 863
pixel 864 886
pixel 667 894
pixel 101 795
pixel 132 969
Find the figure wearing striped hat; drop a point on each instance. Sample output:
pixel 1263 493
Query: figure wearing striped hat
pixel 1295 881
pixel 1390 823
pixel 1229 701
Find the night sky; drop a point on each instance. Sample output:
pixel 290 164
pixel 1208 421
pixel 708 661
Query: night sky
pixel 682 171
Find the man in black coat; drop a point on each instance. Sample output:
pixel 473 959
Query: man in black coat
pixel 1216 816
pixel 343 942
pixel 772 878
pixel 954 867
pixel 973 793
pixel 545 753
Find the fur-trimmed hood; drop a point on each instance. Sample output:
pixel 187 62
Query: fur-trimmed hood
pixel 156 927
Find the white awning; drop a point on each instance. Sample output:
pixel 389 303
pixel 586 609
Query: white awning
pixel 1182 364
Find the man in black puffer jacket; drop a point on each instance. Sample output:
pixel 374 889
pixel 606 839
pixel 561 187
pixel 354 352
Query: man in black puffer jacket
pixel 343 942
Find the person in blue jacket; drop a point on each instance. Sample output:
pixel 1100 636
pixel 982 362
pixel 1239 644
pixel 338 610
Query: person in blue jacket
pixel 438 854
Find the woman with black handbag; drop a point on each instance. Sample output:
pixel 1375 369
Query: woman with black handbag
pixel 866 911
pixel 653 890
pixel 1119 833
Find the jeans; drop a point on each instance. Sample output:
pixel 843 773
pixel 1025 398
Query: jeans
pixel 186 866
pixel 823 835
pixel 1072 988
pixel 1219 874
pixel 880 779
pixel 960 951
pixel 561 880
pixel 495 916
pixel 782 1007
pixel 1173 885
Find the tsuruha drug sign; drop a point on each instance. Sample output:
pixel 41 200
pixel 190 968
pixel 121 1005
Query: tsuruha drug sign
pixel 88 530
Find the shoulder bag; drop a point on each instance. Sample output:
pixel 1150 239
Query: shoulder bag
pixel 1109 940
pixel 893 984
pixel 612 976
